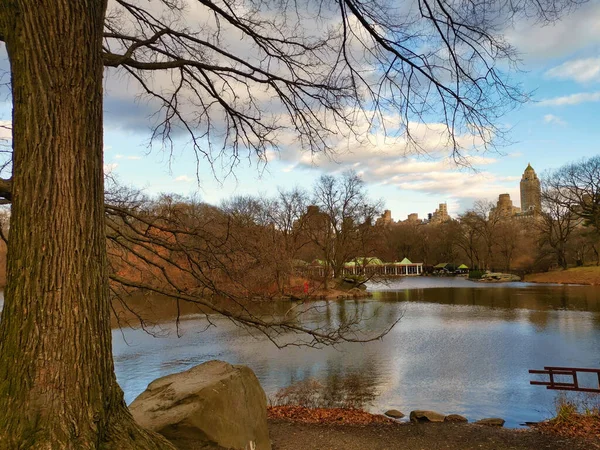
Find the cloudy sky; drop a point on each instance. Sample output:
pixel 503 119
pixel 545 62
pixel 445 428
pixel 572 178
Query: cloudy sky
pixel 560 64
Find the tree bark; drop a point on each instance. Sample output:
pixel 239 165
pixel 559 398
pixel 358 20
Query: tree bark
pixel 57 384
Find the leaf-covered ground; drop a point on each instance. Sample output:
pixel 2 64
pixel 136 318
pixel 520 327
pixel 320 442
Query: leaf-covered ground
pixel 295 428
pixel 587 426
pixel 325 415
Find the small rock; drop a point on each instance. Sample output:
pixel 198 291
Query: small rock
pixel 491 422
pixel 456 418
pixel 394 413
pixel 420 416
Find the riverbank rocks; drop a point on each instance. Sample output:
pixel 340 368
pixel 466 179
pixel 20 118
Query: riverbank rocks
pixel 496 277
pixel 394 413
pixel 455 418
pixel 491 422
pixel 421 416
pixel 212 403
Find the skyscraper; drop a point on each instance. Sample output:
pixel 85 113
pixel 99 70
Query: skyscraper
pixel 530 191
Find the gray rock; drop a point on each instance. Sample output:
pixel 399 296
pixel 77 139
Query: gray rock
pixel 499 277
pixel 212 403
pixel 394 413
pixel 456 418
pixel 420 416
pixel 491 422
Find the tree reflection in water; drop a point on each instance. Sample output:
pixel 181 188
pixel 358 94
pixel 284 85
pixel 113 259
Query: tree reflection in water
pixel 461 347
pixel 353 390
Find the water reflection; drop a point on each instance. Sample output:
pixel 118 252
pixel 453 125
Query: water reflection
pixel 352 390
pixel 453 291
pixel 460 348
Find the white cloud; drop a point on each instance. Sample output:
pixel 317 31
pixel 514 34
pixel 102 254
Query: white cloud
pixel 109 168
pixel 585 70
pixel 397 162
pixel 131 158
pixel 183 178
pixel 554 120
pixel 5 130
pixel 412 167
pixel 573 32
pixel 372 148
pixel 573 99
pixel 457 185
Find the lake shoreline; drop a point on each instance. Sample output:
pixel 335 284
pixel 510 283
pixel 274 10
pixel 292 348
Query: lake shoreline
pixel 329 294
pixel 508 328
pixel 357 430
pixel 352 429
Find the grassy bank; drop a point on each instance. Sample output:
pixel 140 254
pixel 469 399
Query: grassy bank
pixel 577 416
pixel 575 275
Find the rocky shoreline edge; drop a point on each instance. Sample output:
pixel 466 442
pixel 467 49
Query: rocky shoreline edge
pixel 302 414
pixel 222 406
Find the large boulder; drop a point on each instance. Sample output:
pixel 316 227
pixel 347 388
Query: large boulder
pixel 212 403
pixel 420 416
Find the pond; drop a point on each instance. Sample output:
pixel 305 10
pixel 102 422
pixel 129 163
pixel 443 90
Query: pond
pixel 460 347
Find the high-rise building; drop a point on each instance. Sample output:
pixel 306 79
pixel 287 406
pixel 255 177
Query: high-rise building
pixel 440 215
pixel 530 191
pixel 386 218
pixel 504 207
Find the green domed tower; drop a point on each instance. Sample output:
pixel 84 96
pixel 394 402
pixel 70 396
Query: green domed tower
pixel 530 191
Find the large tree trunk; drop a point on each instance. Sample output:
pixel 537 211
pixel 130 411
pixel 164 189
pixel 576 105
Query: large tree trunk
pixel 57 384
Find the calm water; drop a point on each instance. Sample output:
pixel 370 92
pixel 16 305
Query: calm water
pixel 460 347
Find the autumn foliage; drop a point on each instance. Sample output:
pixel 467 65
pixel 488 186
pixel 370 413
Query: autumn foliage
pixel 326 415
pixel 576 417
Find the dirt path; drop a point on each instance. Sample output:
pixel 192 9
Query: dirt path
pixel 294 436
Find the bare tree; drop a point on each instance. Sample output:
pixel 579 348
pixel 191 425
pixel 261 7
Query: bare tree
pixel 583 243
pixel 293 79
pixel 578 188
pixel 469 239
pixel 285 214
pixel 508 238
pixel 403 239
pixel 558 220
pixel 486 224
pixel 246 210
pixel 344 219
pixel 274 226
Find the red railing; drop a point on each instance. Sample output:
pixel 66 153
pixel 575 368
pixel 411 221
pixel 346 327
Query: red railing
pixel 572 385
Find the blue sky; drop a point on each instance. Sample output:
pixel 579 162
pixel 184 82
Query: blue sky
pixel 559 62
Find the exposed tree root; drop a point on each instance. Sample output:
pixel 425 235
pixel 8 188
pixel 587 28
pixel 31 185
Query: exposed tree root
pixel 121 433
